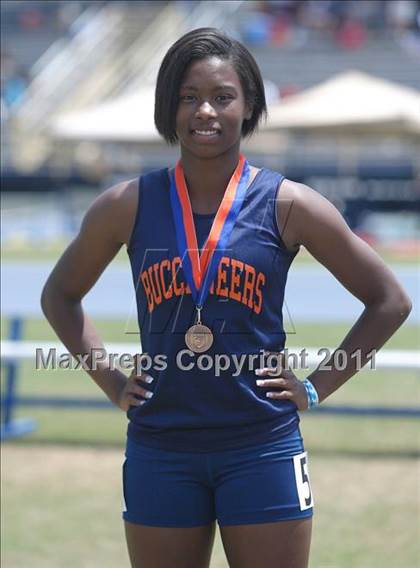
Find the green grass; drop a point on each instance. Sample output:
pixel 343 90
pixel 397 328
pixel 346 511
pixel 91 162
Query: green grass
pixel 61 484
pixel 304 334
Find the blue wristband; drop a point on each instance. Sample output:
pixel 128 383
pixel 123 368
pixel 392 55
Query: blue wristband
pixel 313 399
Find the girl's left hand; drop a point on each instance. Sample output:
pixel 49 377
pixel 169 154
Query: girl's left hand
pixel 288 385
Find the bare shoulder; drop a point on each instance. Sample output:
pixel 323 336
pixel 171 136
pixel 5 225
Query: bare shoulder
pixel 115 208
pixel 297 192
pixel 301 211
pixel 291 198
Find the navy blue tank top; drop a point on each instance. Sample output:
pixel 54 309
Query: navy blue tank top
pixel 210 402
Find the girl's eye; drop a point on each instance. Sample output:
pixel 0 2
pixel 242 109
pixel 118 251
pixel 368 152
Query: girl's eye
pixel 223 98
pixel 187 98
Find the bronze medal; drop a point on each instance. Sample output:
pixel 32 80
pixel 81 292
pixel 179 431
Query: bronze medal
pixel 199 338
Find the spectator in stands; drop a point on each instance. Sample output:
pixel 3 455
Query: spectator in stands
pixel 14 80
pixel 289 22
pixel 351 34
pixel 403 16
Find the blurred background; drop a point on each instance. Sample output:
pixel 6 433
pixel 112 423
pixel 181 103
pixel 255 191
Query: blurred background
pixel 342 80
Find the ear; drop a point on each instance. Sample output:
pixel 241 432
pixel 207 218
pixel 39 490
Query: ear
pixel 249 109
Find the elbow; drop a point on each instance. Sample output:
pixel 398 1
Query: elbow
pixel 395 305
pixel 404 306
pixel 49 298
pixel 54 299
pixel 400 305
pixel 45 299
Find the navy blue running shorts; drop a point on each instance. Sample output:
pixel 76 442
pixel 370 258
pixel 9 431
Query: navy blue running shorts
pixel 258 484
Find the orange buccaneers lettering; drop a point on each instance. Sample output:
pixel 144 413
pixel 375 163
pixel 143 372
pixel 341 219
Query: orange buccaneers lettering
pixel 178 288
pixel 156 285
pixel 234 279
pixel 167 292
pixel 222 289
pixel 258 292
pixel 148 291
pixel 157 293
pixel 248 286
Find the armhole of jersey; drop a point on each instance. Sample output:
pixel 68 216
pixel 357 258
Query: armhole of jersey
pixel 292 253
pixel 276 223
pixel 136 218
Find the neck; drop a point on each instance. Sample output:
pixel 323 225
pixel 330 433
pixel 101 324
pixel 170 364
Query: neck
pixel 207 179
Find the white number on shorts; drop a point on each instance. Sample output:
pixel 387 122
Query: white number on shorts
pixel 123 503
pixel 303 485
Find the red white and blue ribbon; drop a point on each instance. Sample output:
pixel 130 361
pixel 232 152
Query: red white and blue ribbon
pixel 200 269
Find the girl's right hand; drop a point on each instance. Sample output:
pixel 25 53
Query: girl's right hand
pixel 133 389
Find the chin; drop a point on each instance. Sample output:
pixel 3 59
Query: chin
pixel 204 153
pixel 209 151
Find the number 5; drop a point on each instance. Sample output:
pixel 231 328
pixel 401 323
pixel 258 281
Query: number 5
pixel 303 485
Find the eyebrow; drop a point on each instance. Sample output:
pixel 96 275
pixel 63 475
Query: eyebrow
pixel 218 88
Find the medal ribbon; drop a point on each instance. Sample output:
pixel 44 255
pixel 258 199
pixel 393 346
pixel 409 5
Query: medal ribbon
pixel 199 269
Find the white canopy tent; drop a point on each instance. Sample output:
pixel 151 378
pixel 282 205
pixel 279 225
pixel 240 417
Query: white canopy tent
pixel 128 119
pixel 353 101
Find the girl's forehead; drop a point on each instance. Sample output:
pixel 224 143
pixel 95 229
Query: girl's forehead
pixel 210 70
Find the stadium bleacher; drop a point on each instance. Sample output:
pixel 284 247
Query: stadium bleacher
pixel 297 45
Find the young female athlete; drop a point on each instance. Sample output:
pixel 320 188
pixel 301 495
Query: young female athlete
pixel 206 443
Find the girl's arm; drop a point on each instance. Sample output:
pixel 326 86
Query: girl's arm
pixel 106 226
pixel 306 218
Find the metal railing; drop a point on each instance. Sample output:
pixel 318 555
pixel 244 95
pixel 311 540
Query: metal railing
pixel 67 63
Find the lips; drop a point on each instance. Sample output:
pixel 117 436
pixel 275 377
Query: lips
pixel 206 134
pixel 206 131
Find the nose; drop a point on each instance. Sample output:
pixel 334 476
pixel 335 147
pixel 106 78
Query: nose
pixel 205 110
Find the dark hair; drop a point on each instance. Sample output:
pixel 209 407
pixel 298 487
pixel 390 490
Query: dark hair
pixel 199 44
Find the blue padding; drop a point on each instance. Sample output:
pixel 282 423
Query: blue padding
pixel 16 428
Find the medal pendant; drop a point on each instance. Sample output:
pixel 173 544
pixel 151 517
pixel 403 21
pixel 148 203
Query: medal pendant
pixel 199 338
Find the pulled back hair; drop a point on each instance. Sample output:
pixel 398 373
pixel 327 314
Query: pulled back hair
pixel 199 44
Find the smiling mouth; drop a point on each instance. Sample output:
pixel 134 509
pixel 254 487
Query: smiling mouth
pixel 207 133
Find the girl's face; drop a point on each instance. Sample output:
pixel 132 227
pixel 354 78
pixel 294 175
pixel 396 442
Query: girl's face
pixel 211 108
